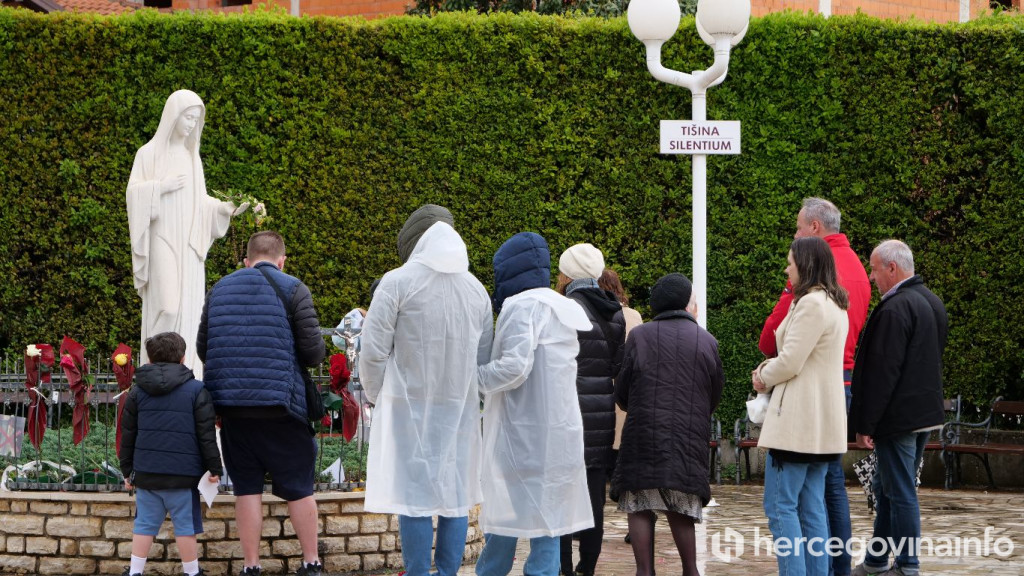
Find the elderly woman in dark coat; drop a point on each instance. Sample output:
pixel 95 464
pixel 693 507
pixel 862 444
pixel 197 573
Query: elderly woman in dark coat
pixel 670 383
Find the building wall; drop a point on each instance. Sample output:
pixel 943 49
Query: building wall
pixel 930 10
pixel 365 8
pixel 51 533
pixel 763 7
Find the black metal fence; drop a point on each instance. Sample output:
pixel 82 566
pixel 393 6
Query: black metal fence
pixel 92 465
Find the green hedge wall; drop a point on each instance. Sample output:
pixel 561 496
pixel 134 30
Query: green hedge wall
pixel 521 122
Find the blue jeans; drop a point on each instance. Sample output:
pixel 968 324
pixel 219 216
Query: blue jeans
pixel 418 536
pixel 794 502
pixel 837 505
pixel 499 552
pixel 897 515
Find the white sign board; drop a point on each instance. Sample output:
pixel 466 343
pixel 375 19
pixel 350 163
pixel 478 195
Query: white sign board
pixel 689 137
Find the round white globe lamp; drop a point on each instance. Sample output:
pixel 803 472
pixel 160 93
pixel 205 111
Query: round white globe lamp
pixel 655 20
pixel 722 19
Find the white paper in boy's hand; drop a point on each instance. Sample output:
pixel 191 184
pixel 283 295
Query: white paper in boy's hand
pixel 207 489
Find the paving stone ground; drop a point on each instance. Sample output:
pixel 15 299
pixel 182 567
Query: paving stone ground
pixel 946 517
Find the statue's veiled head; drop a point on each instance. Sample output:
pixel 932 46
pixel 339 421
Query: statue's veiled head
pixel 184 116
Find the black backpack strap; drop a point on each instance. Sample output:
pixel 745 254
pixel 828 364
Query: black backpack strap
pixel 307 380
pixel 280 296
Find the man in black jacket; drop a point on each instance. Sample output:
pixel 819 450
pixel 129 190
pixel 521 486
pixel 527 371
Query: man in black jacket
pixel 168 442
pixel 897 400
pixel 597 363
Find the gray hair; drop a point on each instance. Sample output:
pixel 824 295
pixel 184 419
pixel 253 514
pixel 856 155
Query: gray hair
pixel 823 211
pixel 898 252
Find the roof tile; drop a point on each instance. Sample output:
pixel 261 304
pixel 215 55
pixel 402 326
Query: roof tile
pixel 96 6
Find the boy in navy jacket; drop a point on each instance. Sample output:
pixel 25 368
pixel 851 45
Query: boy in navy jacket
pixel 168 442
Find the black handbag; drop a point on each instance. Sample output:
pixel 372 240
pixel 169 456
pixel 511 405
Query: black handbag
pixel 315 408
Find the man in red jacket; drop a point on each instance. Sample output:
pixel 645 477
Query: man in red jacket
pixel 818 217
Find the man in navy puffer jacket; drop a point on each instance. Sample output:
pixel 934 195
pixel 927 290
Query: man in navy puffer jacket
pixel 254 358
pixel 168 442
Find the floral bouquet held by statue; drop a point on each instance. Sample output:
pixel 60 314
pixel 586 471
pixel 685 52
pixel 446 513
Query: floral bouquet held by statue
pixel 253 219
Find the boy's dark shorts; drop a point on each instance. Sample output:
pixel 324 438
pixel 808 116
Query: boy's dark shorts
pixel 283 447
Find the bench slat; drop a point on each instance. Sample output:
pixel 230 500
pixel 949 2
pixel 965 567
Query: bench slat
pixel 987 448
pixel 1008 408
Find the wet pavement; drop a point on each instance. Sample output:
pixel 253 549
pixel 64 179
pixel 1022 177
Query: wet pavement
pixel 971 533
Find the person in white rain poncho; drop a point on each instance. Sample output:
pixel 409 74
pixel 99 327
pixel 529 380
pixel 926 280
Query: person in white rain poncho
pixel 534 478
pixel 428 327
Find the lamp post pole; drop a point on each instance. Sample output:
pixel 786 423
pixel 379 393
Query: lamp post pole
pixel 700 213
pixel 721 24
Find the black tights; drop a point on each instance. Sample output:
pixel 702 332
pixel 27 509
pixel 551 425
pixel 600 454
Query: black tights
pixel 641 536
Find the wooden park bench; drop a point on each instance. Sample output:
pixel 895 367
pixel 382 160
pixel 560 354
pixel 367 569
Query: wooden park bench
pixel 958 439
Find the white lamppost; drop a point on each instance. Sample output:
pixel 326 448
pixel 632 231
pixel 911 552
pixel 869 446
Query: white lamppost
pixel 721 24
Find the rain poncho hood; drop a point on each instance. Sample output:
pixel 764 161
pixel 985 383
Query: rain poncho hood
pixel 522 262
pixel 441 249
pixel 428 327
pixel 534 477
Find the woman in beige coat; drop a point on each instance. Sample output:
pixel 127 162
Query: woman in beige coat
pixel 805 427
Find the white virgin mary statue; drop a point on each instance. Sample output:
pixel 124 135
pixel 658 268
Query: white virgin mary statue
pixel 173 222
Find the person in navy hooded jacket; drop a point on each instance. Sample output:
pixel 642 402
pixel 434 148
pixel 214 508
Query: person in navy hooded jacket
pixel 168 442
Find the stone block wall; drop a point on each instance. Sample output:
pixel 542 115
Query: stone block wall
pixel 91 533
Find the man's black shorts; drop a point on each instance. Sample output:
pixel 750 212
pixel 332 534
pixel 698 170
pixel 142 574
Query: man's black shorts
pixel 284 447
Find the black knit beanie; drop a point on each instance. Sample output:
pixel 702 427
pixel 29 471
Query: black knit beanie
pixel 671 292
pixel 418 222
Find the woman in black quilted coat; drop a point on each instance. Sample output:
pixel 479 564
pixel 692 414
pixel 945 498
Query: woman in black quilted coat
pixel 670 384
pixel 597 364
